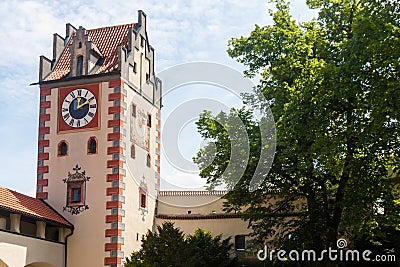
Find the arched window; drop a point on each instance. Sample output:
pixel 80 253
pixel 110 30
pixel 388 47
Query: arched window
pixel 92 145
pixel 79 66
pixel 133 151
pixel 62 148
pixel 148 160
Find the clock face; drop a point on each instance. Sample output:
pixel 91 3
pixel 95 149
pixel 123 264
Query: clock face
pixel 79 108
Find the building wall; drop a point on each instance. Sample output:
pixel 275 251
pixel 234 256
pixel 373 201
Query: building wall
pixel 109 228
pixel 179 203
pixel 206 212
pixel 19 251
pixel 227 227
pixel 87 234
pixel 143 93
pixel 139 177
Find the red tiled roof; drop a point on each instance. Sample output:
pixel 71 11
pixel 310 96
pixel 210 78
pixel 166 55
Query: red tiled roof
pixel 29 206
pixel 106 42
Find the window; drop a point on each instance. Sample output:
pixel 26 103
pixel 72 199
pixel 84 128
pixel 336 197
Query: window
pixel 133 151
pixel 141 41
pixel 133 110
pixel 134 67
pixel 62 148
pixel 92 145
pixel 240 242
pixel 147 77
pixel 79 66
pixel 76 195
pixel 149 120
pixel 143 200
pixel 148 162
pixel 80 45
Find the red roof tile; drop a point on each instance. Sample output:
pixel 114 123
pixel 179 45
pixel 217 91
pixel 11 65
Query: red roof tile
pixel 106 42
pixel 29 206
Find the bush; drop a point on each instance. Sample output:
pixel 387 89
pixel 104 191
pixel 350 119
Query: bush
pixel 170 247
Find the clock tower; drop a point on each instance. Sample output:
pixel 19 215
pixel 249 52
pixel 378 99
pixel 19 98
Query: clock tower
pixel 99 139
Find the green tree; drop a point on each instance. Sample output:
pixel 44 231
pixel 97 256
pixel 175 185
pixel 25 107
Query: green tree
pixel 170 247
pixel 160 248
pixel 206 250
pixel 332 85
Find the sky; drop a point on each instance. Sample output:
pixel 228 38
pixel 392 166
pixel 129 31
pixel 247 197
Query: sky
pixel 180 31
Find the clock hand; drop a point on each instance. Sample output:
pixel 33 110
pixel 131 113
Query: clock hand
pixel 81 105
pixel 77 105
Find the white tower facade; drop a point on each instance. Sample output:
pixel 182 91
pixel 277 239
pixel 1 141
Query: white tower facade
pixel 99 139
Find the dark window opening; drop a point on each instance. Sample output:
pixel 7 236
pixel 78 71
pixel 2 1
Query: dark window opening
pixel 143 200
pixel 149 120
pixel 134 67
pixel 27 227
pixel 52 233
pixel 147 77
pixel 62 148
pixel 133 152
pixel 148 162
pixel 141 41
pixel 240 242
pixel 80 45
pixel 92 146
pixel 79 66
pixel 133 110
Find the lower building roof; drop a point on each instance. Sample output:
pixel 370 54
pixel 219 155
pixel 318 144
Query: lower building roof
pixel 33 207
